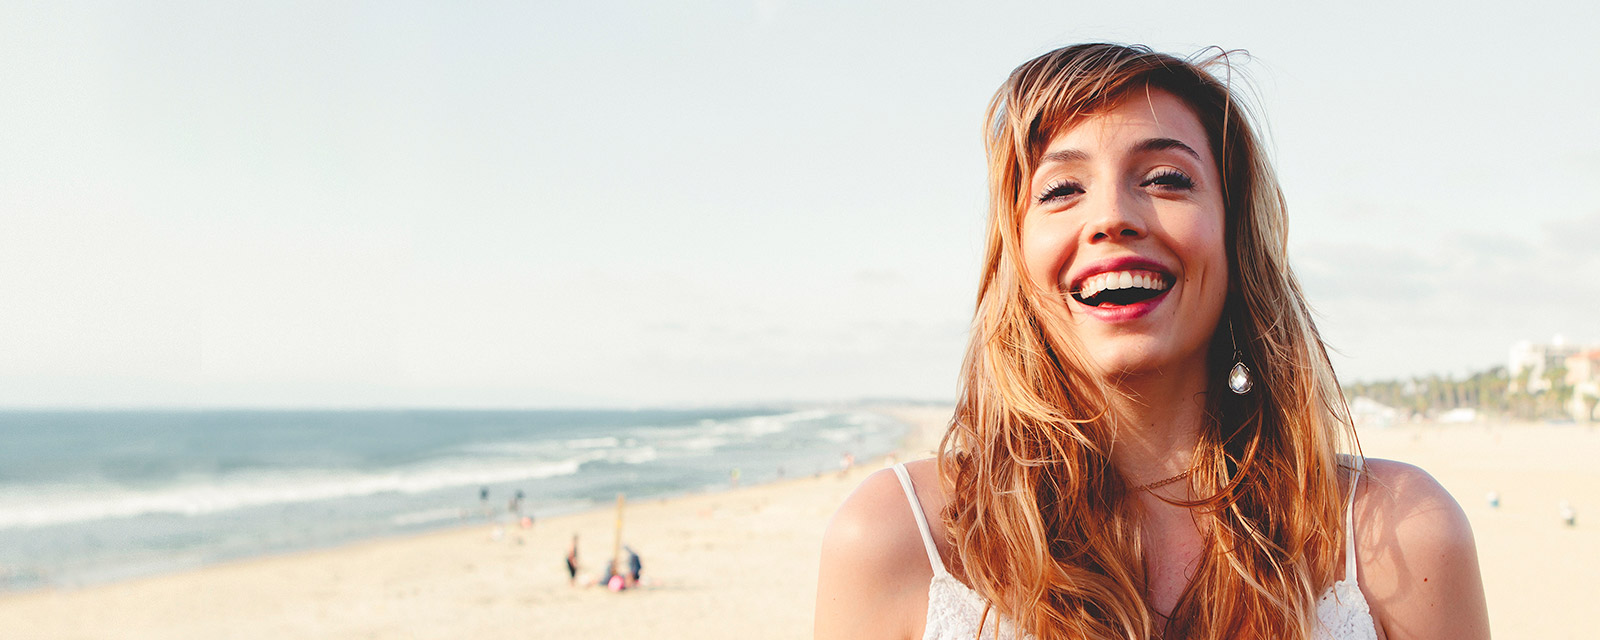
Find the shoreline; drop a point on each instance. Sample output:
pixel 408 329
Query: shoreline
pixel 21 574
pixel 394 582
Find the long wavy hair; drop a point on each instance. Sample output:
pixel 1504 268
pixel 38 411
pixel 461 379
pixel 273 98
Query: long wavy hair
pixel 1043 525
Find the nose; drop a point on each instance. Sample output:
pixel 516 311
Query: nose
pixel 1117 216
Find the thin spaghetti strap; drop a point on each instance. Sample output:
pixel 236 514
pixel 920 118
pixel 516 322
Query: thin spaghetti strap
pixel 922 520
pixel 1350 521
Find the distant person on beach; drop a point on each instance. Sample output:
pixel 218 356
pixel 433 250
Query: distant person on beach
pixel 483 500
pixel 635 566
pixel 1150 441
pixel 572 561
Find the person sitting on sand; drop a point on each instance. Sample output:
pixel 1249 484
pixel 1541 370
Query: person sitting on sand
pixel 611 579
pixel 1150 440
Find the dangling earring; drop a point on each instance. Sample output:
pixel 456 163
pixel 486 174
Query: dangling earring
pixel 1239 377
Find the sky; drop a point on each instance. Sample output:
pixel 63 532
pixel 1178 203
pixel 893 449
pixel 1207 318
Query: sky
pixel 624 204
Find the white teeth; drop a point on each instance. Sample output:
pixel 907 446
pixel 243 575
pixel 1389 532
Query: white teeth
pixel 1122 280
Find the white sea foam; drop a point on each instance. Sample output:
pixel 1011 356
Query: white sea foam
pixel 32 506
pixel 510 448
pixel 764 426
pixel 424 517
pixel 702 443
pixel 39 506
pixel 708 434
pixel 592 443
pixel 637 455
pixel 756 426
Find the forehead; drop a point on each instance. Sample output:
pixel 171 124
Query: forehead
pixel 1141 115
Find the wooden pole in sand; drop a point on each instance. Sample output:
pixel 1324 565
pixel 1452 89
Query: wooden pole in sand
pixel 616 549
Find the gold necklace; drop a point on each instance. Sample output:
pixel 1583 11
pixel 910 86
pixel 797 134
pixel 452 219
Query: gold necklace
pixel 1162 483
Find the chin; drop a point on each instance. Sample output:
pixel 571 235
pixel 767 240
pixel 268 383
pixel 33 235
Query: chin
pixel 1142 361
pixel 1117 365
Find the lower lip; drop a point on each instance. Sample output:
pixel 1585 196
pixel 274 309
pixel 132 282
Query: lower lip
pixel 1127 312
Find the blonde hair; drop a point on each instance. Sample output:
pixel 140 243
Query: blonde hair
pixel 1042 522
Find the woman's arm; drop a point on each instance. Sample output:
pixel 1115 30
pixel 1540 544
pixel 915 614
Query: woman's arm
pixel 874 577
pixel 1418 561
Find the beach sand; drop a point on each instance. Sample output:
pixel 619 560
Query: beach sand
pixel 742 563
pixel 1540 576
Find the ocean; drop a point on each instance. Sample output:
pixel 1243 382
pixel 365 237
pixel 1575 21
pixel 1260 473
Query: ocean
pixel 89 497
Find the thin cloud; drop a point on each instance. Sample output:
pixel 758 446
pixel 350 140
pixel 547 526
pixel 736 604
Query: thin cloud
pixel 1457 305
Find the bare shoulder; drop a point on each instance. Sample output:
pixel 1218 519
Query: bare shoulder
pixel 1418 562
pixel 873 582
pixel 875 527
pixel 1411 503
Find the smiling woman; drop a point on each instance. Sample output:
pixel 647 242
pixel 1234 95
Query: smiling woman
pixel 1102 476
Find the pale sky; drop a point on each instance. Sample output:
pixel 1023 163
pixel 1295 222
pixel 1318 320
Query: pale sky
pixel 627 204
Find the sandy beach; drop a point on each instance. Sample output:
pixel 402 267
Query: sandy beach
pixel 742 563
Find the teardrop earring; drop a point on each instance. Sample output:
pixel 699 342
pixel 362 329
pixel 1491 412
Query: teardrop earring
pixel 1239 377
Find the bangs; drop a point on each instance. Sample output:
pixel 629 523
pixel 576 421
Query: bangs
pixel 1045 100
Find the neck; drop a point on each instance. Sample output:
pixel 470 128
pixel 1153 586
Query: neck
pixel 1162 414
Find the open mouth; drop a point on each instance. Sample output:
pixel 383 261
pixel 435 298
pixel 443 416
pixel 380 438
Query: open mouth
pixel 1121 288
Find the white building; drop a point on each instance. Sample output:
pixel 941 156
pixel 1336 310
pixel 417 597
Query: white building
pixel 1536 360
pixel 1367 413
pixel 1583 374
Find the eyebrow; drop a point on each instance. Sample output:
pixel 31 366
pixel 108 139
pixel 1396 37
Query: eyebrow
pixel 1144 146
pixel 1165 144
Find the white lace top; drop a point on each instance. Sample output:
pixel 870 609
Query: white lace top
pixel 954 608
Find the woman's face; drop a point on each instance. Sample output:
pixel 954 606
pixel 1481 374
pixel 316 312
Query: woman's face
pixel 1125 221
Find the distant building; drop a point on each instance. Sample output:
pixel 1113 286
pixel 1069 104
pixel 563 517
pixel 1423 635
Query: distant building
pixel 1537 360
pixel 1368 413
pixel 1583 375
pixel 1459 415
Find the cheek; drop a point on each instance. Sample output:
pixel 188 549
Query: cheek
pixel 1204 243
pixel 1046 248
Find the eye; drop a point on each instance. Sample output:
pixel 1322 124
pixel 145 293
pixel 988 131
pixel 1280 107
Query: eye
pixel 1171 179
pixel 1058 190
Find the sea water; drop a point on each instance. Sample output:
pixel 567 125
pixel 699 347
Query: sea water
pixel 95 496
